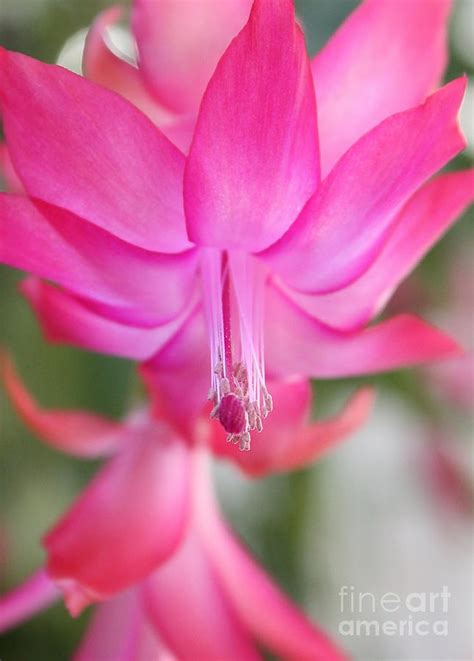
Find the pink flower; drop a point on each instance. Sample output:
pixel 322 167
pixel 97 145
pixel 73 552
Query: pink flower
pixel 278 238
pixel 149 521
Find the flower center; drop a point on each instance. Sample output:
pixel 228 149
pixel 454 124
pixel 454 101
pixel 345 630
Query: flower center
pixel 233 297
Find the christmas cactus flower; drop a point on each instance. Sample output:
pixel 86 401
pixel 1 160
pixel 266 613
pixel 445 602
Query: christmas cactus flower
pixel 147 530
pixel 266 249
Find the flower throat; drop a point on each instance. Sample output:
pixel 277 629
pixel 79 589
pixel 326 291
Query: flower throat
pixel 234 300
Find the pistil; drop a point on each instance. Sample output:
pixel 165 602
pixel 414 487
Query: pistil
pixel 233 295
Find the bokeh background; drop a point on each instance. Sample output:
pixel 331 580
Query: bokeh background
pixel 390 510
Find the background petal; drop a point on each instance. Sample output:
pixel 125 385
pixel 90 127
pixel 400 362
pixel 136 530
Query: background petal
pixel 254 159
pixel 128 521
pixel 286 442
pixel 33 596
pixel 189 609
pixel 263 608
pixel 103 66
pixel 180 43
pixel 386 57
pixel 76 432
pixel 119 631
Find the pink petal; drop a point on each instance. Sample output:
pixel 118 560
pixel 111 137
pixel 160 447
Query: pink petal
pixel 178 376
pixel 102 66
pixel 259 603
pixel 254 158
pixel 128 521
pixel 287 441
pixel 66 319
pixel 385 58
pixel 55 244
pixel 345 224
pixel 120 632
pixel 189 609
pixel 7 171
pixel 33 596
pixel 296 343
pixel 76 432
pixel 180 44
pixel 86 149
pixel 419 225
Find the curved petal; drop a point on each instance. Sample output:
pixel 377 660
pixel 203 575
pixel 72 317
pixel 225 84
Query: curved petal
pixel 76 432
pixel 188 608
pixel 66 319
pixel 419 225
pixel 55 244
pixel 286 441
pixel 7 171
pixel 103 66
pixel 178 377
pixel 84 148
pixel 385 58
pixel 345 224
pixel 129 520
pixel 120 632
pixel 260 605
pixel 254 159
pixel 316 350
pixel 180 43
pixel 33 596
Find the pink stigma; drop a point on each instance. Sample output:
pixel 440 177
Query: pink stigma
pixel 232 414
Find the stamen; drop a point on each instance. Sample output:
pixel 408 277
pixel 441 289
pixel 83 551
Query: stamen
pixel 233 294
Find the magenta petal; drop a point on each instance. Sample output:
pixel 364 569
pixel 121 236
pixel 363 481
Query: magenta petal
pixel 254 159
pixel 386 57
pixel 86 149
pixel 55 244
pixel 65 319
pixel 296 343
pixel 421 222
pixel 75 432
pixel 189 609
pixel 128 521
pixel 178 375
pixel 7 171
pixel 33 596
pixel 179 44
pixel 119 632
pixel 345 224
pixel 260 605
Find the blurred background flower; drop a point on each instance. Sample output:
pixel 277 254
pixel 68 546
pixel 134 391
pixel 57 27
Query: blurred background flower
pixel 386 513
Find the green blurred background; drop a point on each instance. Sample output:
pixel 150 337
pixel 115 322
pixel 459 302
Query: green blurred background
pixel 281 518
